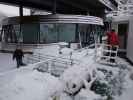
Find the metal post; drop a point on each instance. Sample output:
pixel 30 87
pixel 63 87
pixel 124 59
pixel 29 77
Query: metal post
pixel 20 15
pixel 20 10
pixel 54 7
pixel 80 40
pixel 95 40
pixel 71 58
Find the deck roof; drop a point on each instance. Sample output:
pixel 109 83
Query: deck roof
pixel 63 6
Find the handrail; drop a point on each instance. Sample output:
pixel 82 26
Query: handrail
pixel 53 66
pixel 41 55
pixel 86 47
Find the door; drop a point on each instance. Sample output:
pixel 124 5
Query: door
pixel 30 33
pixel 122 33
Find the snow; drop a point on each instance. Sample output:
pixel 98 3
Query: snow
pixel 6 62
pixel 87 95
pixel 127 95
pixel 66 51
pixel 27 83
pixel 128 85
pixel 48 50
pixel 63 43
pixel 54 49
pixel 64 96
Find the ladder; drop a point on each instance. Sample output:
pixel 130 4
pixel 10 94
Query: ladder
pixel 106 54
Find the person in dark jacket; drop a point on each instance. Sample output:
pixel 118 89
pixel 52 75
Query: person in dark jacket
pixel 18 55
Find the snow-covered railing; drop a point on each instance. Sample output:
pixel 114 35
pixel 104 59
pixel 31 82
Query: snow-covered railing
pixel 37 57
pixel 51 64
pixel 87 47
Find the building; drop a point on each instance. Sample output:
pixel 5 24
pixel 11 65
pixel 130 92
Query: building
pixel 2 16
pixel 50 28
pixel 122 22
pixel 82 17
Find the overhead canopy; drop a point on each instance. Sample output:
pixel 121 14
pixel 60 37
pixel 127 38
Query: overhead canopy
pixel 54 19
pixel 63 6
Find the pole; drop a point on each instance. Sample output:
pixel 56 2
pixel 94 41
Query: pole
pixel 80 41
pixel 20 15
pixel 54 7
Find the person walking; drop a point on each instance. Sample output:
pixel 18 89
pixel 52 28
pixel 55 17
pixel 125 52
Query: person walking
pixel 18 55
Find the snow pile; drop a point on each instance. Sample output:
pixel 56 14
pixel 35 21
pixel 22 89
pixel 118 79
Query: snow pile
pixel 62 96
pixel 56 50
pixel 127 84
pixel 63 43
pixel 67 51
pixel 74 78
pixel 100 81
pixel 99 51
pixel 86 95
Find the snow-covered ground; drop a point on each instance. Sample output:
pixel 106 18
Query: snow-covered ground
pixel 78 82
pixel 6 62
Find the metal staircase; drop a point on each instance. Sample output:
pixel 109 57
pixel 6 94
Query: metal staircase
pixel 106 54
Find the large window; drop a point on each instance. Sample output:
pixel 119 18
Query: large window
pixel 67 32
pixel 86 33
pixel 50 33
pixel 30 32
pixel 9 34
pixel 19 36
